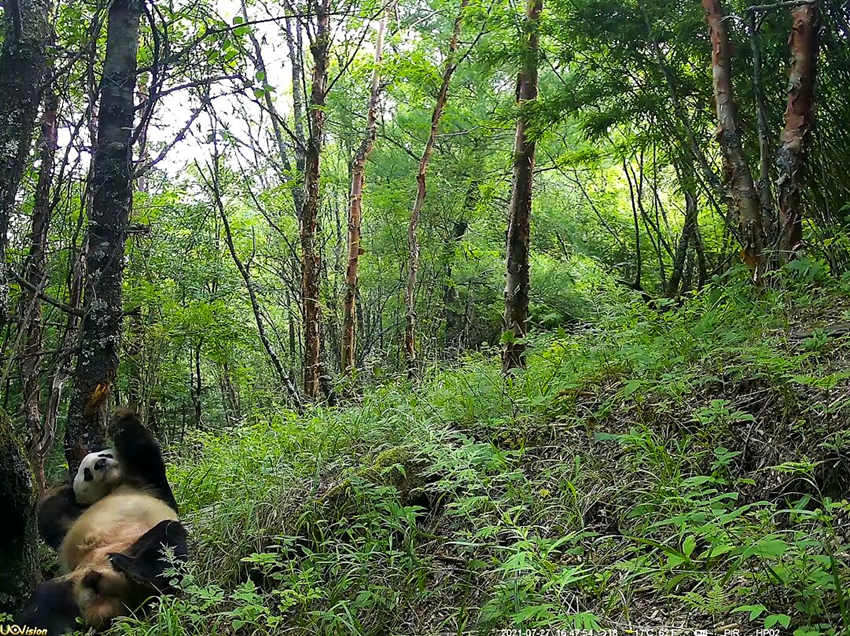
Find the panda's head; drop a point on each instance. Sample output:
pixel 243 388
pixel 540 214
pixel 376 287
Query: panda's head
pixel 109 584
pixel 97 475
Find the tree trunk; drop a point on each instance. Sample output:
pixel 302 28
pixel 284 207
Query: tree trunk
pixel 682 121
pixel 358 171
pixel 31 359
pixel 111 184
pixel 229 396
pixel 685 239
pixel 312 264
pixel 637 285
pixel 765 196
pixel 62 366
pixel 296 63
pixel 196 381
pixel 22 69
pixel 454 318
pixel 739 180
pixel 19 571
pixel 516 287
pixel 799 117
pixel 413 227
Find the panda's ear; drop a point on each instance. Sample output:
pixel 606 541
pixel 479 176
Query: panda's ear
pixel 146 563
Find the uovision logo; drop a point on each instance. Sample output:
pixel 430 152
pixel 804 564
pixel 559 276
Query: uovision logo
pixel 22 630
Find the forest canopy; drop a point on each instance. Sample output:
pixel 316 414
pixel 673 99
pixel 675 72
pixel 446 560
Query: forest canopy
pixel 557 285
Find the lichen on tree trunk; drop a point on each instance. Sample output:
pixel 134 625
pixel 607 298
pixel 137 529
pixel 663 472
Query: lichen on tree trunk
pixel 19 570
pixel 22 67
pixel 111 183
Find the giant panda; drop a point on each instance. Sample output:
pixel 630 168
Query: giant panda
pixel 113 551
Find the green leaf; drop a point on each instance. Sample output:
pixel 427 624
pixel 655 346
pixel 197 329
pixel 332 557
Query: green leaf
pixel 508 337
pixel 720 550
pixel 754 610
pixel 767 549
pixel 688 545
pixel 781 619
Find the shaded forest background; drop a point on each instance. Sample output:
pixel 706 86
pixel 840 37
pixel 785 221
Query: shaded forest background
pixel 237 215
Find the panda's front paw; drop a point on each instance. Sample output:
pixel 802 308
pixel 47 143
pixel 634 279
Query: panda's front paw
pixel 126 427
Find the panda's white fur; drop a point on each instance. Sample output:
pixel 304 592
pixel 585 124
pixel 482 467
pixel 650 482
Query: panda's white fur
pixel 123 515
pixel 99 473
pixel 112 524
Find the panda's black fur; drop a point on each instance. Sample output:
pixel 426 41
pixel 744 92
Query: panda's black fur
pixel 112 552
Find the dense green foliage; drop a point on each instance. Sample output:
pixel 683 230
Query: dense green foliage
pixel 679 468
pixel 675 454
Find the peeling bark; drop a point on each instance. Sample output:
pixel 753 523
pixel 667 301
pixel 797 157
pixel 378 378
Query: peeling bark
pixel 739 179
pixel 799 118
pixel 355 206
pixel 111 185
pixel 517 284
pixel 413 226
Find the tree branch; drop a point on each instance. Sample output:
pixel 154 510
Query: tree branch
pixel 48 299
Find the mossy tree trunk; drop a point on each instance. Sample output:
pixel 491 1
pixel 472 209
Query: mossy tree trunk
pixel 19 570
pixel 22 69
pixel 111 183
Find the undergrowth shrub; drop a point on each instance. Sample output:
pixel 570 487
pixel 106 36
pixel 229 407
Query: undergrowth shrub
pixel 672 465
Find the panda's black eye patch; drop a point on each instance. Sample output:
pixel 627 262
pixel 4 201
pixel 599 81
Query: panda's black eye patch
pixel 87 474
pixel 91 579
pixel 109 455
pixel 100 464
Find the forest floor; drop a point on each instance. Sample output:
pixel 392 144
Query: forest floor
pixel 680 468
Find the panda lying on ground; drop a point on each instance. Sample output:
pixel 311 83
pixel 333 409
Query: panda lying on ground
pixel 112 551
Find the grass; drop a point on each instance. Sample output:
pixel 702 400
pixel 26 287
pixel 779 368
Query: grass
pixel 678 466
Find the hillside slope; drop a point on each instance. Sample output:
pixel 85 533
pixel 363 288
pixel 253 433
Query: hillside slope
pixel 678 468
